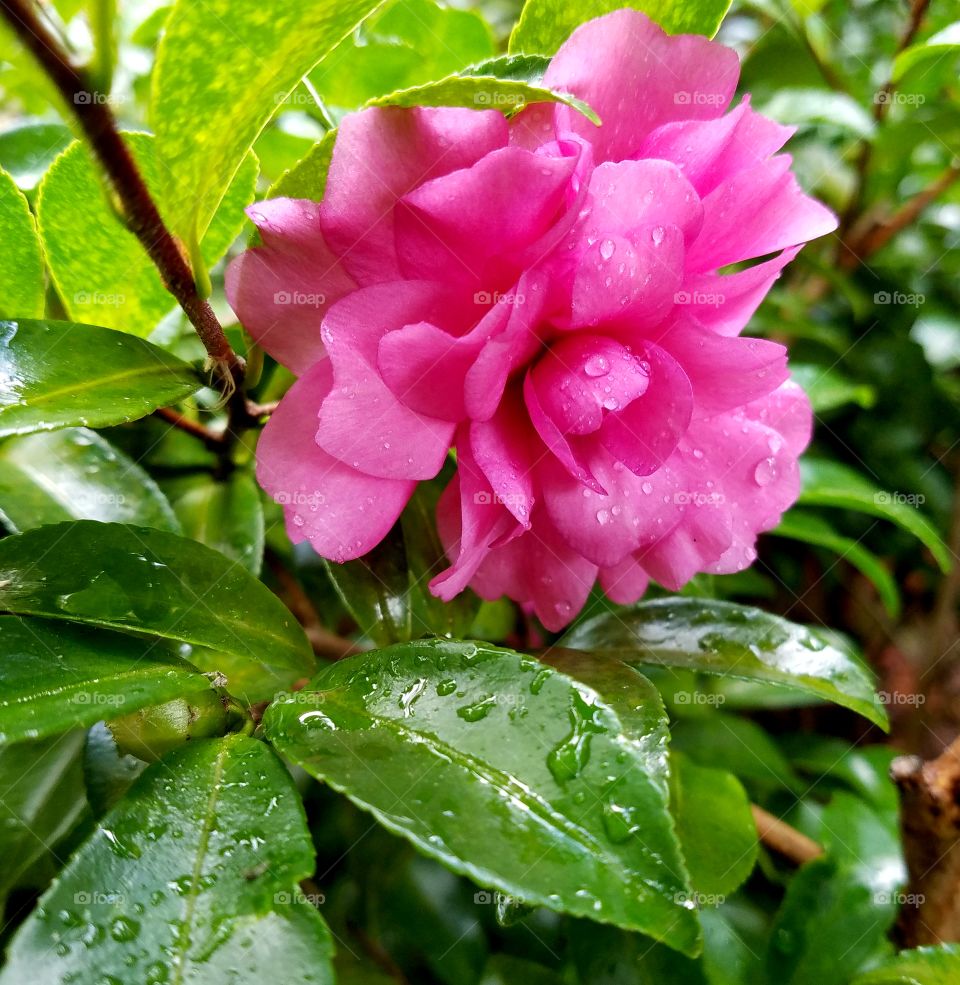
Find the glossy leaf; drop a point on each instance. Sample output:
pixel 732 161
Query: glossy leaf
pixel 227 516
pixel 223 68
pixel 716 829
pixel 41 802
pixel 21 265
pixel 27 151
pixel 545 24
pixel 59 374
pixel 828 389
pixel 191 877
pixel 102 273
pixel 54 677
pixel 809 528
pixel 153 582
pixel 943 43
pixel 308 177
pixel 938 965
pixel 832 484
pixel 736 744
pixel 547 783
pixel 76 474
pixel 403 44
pixel 731 640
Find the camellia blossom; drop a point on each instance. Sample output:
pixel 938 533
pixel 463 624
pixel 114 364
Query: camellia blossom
pixel 543 295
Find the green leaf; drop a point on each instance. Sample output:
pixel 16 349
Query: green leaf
pixel 227 516
pixel 832 484
pixel 58 374
pixel 21 265
pixel 308 177
pixel 505 970
pixel 829 925
pixel 403 44
pixel 223 68
pixel 716 829
pixel 731 640
pixel 735 744
pixel 107 773
pixel 27 151
pixel 192 877
pixel 828 389
pixel 808 528
pixel 919 966
pixel 54 677
pixel 76 474
pixel 943 43
pixel 548 783
pixel 41 802
pixel 153 582
pixel 482 92
pixel 545 24
pixel 387 591
pixel 102 273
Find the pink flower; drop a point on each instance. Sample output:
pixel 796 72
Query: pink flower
pixel 544 296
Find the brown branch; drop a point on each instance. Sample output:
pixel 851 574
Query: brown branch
pixel 879 233
pixel 141 214
pixel 930 824
pixel 782 838
pixel 212 439
pixel 325 643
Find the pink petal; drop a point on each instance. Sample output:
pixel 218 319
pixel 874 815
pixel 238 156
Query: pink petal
pixel 624 583
pixel 506 451
pixel 473 224
pixel 361 421
pixel 725 372
pixel 629 282
pixel 538 569
pixel 712 151
pixel 644 434
pixel 637 78
pixel 342 512
pixel 724 303
pixel 280 290
pixel 380 155
pixel 787 411
pixel 514 339
pixel 756 212
pixel 605 528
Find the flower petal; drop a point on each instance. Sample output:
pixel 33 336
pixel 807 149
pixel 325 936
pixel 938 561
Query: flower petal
pixel 342 512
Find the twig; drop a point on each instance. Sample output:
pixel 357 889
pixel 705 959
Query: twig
pixel 212 439
pixel 880 232
pixel 325 643
pixel 930 825
pixel 142 216
pixel 782 838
